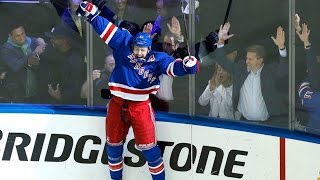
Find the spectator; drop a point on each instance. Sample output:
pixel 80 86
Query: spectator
pixel 121 6
pixel 21 54
pixel 254 92
pixel 100 81
pixel 4 91
pixel 170 46
pixel 71 19
pixel 71 71
pixel 76 25
pixel 166 9
pixel 135 76
pixel 309 88
pixel 313 59
pixel 160 100
pixel 219 93
pixel 117 11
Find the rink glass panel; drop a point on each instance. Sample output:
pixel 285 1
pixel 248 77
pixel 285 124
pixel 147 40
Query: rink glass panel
pixel 252 22
pixel 55 67
pixel 304 10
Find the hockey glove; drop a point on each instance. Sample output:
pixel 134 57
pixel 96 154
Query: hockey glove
pixel 88 10
pixel 190 64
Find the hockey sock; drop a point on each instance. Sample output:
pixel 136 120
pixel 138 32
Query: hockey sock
pixel 115 161
pixel 155 162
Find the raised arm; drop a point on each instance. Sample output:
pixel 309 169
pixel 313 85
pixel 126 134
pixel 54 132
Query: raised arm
pixel 310 54
pixel 219 54
pixel 280 38
pixel 210 91
pixel 281 68
pixel 175 29
pixel 108 32
pixel 312 65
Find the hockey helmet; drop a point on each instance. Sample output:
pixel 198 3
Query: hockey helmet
pixel 142 40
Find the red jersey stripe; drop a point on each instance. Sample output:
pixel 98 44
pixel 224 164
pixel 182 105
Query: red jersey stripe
pixel 114 88
pixel 105 37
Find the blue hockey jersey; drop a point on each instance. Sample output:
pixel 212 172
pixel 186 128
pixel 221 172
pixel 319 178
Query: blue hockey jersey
pixel 311 101
pixel 135 78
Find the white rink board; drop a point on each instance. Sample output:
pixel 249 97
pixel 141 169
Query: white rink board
pixel 303 160
pixel 262 159
pixel 233 153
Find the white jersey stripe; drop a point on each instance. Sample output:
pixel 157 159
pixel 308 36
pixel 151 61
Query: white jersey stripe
pixel 131 97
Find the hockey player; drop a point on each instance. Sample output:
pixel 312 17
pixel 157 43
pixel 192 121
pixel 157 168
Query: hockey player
pixel 135 76
pixel 310 99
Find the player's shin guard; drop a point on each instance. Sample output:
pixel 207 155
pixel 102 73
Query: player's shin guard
pixel 115 161
pixel 155 162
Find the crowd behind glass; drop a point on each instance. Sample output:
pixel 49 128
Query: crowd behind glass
pixel 245 61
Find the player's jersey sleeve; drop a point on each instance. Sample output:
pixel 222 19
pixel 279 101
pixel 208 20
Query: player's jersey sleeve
pixel 309 98
pixel 175 67
pixel 113 36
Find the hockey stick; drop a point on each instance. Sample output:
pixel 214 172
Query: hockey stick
pixel 185 22
pixel 227 12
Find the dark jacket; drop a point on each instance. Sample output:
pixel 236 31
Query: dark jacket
pixel 4 90
pixel 73 75
pixel 313 67
pixel 269 74
pixel 67 69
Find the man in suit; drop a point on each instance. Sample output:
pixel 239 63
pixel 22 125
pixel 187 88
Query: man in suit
pixel 254 88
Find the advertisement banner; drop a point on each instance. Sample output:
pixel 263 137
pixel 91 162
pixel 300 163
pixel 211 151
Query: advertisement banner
pixel 71 147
